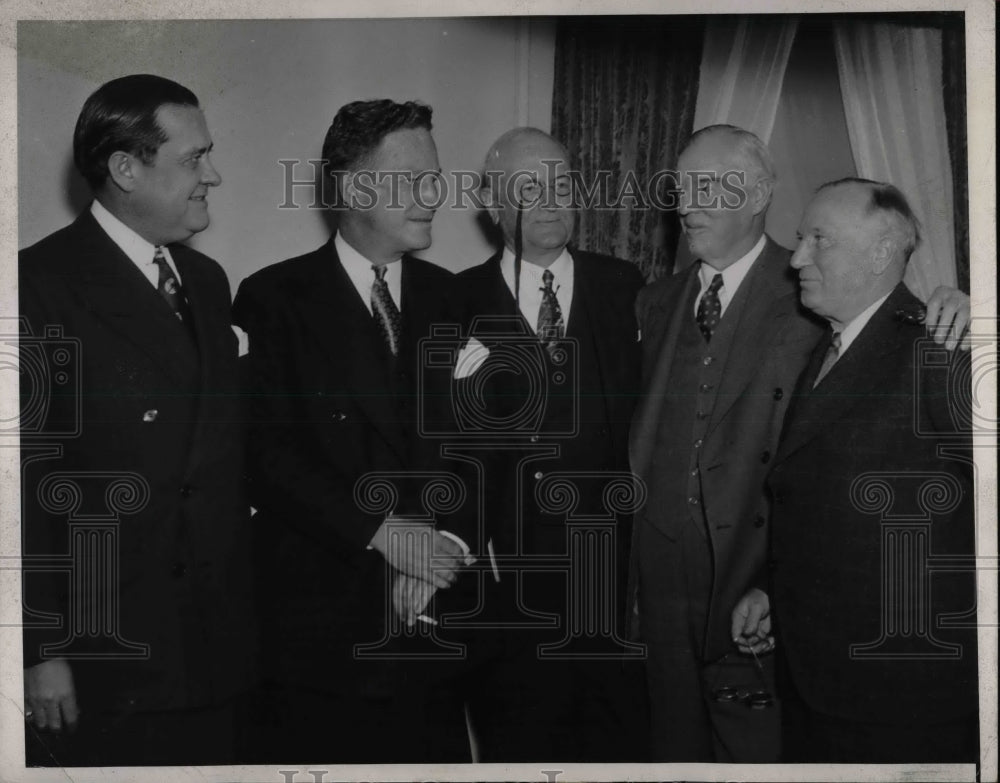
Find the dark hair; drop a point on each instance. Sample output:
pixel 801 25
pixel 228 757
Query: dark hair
pixel 359 127
pixel 121 116
pixel 890 201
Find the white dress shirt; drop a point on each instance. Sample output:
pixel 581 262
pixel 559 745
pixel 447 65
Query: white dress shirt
pixel 359 269
pixel 732 276
pixel 530 294
pixel 139 251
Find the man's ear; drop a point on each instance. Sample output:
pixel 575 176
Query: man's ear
pixel 488 198
pixel 122 170
pixel 883 252
pixel 760 194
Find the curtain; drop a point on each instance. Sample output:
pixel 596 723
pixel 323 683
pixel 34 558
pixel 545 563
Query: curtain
pixel 953 86
pixel 890 77
pixel 623 104
pixel 742 72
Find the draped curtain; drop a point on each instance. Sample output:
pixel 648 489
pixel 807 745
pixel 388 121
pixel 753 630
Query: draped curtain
pixel 742 72
pixel 623 103
pixel 891 81
pixel 953 85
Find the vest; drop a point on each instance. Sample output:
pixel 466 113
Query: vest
pixel 695 376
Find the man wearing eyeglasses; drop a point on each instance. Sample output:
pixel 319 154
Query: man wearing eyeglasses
pixel 555 326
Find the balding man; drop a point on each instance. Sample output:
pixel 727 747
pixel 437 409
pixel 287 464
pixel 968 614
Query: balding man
pixel 866 414
pixel 568 314
pixel 723 344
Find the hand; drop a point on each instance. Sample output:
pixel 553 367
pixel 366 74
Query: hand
pixel 410 597
pixel 417 549
pixel 751 623
pixel 49 696
pixel 947 319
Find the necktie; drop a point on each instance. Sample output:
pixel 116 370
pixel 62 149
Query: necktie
pixel 550 320
pixel 384 310
pixel 832 354
pixel 168 287
pixel 709 309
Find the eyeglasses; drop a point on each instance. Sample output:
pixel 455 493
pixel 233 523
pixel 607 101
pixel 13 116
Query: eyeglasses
pixel 759 699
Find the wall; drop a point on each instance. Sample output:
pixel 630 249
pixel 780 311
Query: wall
pixel 269 90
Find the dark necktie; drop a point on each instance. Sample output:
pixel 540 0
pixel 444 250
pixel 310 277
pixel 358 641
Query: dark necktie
pixel 550 320
pixel 168 286
pixel 709 309
pixel 832 354
pixel 384 310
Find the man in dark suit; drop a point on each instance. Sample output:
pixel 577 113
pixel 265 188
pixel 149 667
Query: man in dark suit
pixel 723 344
pixel 871 483
pixel 557 330
pixel 334 337
pixel 142 500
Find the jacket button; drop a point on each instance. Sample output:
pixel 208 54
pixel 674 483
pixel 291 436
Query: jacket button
pixel 534 439
pixel 339 416
pixel 178 570
pixel 706 387
pixel 765 457
pixel 707 360
pixel 185 491
pixel 150 415
pixel 759 521
pixel 538 475
pixel 778 393
pixel 697 443
pixel 693 500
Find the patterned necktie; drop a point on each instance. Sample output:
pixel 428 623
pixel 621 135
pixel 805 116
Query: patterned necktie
pixel 384 310
pixel 832 354
pixel 709 309
pixel 550 320
pixel 168 287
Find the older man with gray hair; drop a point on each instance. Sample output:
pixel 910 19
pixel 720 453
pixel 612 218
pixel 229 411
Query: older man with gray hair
pixel 864 490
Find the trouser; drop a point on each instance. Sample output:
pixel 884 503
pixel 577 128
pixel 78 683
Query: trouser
pixel 188 737
pixel 689 720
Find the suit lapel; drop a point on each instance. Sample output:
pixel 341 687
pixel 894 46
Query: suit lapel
pixel 754 333
pixel 665 321
pixel 117 293
pixel 858 373
pixel 345 329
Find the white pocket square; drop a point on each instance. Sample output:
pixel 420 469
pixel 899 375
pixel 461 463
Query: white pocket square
pixel 243 341
pixel 470 358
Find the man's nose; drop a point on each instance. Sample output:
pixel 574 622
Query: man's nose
pixel 799 256
pixel 209 174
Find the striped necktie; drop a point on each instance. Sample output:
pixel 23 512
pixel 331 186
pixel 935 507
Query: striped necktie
pixel 384 310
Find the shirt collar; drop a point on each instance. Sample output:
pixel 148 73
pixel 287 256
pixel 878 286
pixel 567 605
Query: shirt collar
pixel 134 246
pixel 733 274
pixel 561 268
pixel 850 332
pixel 359 270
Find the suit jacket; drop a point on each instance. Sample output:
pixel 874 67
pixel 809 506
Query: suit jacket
pixel 585 403
pixel 150 429
pixel 330 406
pixel 773 340
pixel 880 410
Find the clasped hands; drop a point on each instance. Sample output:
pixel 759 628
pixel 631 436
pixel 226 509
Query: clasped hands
pixel 425 561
